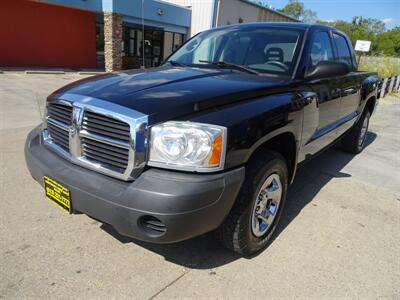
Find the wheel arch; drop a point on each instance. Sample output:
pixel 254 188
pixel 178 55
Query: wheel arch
pixel 283 143
pixel 369 90
pixel 371 104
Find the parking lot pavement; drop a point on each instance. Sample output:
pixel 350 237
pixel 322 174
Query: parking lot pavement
pixel 339 237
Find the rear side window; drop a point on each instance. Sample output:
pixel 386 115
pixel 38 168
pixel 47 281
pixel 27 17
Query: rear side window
pixel 321 49
pixel 342 47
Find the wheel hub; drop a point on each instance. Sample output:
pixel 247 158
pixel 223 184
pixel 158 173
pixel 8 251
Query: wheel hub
pixel 364 130
pixel 267 205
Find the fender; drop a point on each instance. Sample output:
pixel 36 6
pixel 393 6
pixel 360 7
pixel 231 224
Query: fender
pixel 257 122
pixel 369 89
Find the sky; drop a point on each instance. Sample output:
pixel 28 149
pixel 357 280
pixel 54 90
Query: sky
pixel 328 10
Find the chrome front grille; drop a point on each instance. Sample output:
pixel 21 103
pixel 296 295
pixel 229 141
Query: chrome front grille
pixel 58 135
pixel 60 112
pixel 106 140
pixel 59 118
pixel 105 126
pixel 97 134
pixel 111 156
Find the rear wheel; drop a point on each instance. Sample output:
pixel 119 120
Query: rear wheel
pixel 258 207
pixel 355 139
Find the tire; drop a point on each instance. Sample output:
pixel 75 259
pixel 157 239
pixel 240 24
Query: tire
pixel 354 140
pixel 244 231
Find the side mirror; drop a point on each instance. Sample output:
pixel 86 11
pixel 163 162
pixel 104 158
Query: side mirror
pixel 326 69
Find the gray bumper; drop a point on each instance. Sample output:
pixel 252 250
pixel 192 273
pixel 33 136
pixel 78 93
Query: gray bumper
pixel 187 204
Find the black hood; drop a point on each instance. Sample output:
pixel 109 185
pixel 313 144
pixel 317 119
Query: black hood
pixel 172 92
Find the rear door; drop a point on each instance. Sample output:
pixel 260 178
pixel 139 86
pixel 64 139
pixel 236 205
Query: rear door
pixel 349 85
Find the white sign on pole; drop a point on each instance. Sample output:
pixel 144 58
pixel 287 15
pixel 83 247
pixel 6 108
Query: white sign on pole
pixel 362 46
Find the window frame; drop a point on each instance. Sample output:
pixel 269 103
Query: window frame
pixel 126 38
pixel 100 38
pixel 333 33
pixel 172 49
pixel 331 43
pixel 129 38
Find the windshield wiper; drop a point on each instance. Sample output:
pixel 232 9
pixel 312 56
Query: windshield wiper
pixel 176 63
pixel 223 64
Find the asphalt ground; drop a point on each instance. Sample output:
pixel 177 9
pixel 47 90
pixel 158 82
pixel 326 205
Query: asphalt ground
pixel 339 237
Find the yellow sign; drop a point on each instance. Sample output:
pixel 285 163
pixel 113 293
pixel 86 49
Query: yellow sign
pixel 57 193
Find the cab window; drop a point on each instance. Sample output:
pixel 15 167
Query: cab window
pixel 321 49
pixel 343 51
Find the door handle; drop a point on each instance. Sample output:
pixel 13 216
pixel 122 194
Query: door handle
pixel 349 91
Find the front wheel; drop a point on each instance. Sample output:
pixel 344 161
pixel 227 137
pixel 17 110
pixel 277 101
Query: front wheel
pixel 355 140
pixel 258 207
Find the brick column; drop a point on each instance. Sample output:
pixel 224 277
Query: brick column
pixel 112 41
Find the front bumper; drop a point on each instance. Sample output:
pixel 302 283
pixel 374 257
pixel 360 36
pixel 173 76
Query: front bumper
pixel 187 204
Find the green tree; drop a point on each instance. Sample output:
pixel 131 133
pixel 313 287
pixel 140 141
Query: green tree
pixel 389 42
pixel 385 43
pixel 374 26
pixel 296 9
pixel 359 28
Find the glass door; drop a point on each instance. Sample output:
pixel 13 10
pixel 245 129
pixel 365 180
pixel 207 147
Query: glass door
pixel 134 45
pixel 153 47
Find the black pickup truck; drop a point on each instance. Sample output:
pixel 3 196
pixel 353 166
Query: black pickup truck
pixel 210 140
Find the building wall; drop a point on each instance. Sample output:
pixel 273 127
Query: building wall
pixel 39 35
pixel 202 13
pixel 93 5
pixel 230 11
pixel 268 16
pixel 157 13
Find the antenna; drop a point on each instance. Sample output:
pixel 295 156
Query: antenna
pixel 143 43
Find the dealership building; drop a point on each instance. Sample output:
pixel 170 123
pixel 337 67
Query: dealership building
pixel 77 34
pixel 112 34
pixel 208 14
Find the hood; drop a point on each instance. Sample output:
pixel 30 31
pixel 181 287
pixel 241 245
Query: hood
pixel 172 92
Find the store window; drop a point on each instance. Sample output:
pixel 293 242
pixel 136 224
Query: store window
pixel 168 43
pixel 99 37
pixel 139 42
pixel 100 46
pixel 129 42
pixel 178 40
pixel 172 41
pixel 135 43
pixel 155 43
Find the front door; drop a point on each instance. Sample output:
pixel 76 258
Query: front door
pixel 328 90
pixel 349 85
pixel 133 45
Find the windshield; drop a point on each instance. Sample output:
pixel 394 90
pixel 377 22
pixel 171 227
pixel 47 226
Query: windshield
pixel 265 50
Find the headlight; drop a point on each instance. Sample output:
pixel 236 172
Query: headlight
pixel 188 146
